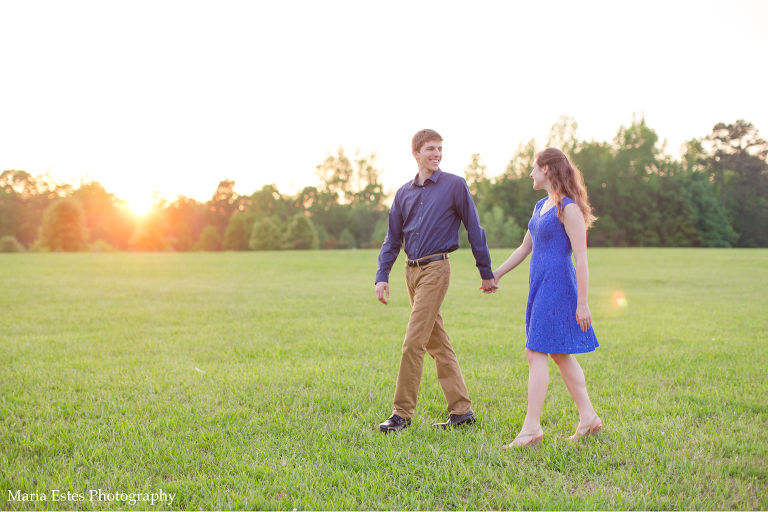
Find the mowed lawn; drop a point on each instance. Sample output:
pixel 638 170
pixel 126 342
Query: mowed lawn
pixel 257 381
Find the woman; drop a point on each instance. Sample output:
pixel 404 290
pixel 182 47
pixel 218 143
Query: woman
pixel 557 320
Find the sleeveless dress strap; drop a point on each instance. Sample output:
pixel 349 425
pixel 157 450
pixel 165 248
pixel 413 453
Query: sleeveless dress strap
pixel 566 201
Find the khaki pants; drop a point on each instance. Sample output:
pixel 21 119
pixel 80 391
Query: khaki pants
pixel 427 286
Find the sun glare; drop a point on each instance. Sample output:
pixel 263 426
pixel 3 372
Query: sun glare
pixel 140 207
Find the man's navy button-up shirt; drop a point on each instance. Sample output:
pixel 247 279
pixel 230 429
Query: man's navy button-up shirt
pixel 424 219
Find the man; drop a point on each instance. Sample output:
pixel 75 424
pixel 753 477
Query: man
pixel 425 219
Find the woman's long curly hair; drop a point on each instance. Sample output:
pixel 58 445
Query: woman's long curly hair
pixel 566 180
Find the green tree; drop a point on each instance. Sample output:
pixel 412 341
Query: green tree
pixel 224 203
pixel 500 230
pixel 513 190
pixel 210 240
pixel 16 187
pixel 637 191
pixel 365 189
pixel 350 196
pixel 63 227
pixel 184 219
pixel 265 235
pixel 379 232
pixel 475 173
pixel 346 240
pixel 270 202
pixel 325 209
pixel 644 197
pixel 301 234
pixel 362 221
pixel 323 236
pixel 633 205
pixel 737 161
pixel 712 224
pixel 23 201
pixel 463 237
pixel 107 217
pixel 238 233
pixel 562 135
pixel 595 161
pixel 336 173
pixel 8 243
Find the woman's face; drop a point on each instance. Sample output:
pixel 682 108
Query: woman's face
pixel 539 175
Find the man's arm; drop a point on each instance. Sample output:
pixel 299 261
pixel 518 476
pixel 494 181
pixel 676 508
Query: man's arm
pixel 467 211
pixel 389 251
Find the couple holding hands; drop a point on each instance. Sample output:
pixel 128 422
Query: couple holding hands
pixel 425 218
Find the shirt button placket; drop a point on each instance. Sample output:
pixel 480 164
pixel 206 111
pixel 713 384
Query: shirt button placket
pixel 421 213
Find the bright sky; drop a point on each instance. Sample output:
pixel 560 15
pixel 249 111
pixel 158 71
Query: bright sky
pixel 148 96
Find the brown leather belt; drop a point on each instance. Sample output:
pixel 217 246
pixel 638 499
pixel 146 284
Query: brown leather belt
pixel 424 261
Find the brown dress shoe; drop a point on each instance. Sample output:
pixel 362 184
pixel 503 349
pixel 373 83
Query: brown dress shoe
pixel 457 419
pixel 393 424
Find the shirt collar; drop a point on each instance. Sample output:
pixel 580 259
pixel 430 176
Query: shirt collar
pixel 435 176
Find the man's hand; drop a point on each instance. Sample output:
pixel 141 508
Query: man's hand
pixel 382 292
pixel 489 285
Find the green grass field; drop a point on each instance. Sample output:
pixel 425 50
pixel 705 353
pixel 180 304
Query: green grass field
pixel 257 381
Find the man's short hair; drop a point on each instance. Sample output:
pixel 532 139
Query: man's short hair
pixel 423 137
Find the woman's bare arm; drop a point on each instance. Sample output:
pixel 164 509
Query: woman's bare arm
pixel 577 233
pixel 516 258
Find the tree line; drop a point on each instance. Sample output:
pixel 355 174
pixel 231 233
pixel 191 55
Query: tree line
pixel 714 195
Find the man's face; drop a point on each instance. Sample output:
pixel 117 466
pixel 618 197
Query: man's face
pixel 429 155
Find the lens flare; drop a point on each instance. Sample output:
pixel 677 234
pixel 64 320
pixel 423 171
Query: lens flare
pixel 618 300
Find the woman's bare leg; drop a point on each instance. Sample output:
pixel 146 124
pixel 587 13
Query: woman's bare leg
pixel 538 381
pixel 573 376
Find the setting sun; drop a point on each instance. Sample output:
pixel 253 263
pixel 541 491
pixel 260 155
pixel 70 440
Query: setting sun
pixel 140 206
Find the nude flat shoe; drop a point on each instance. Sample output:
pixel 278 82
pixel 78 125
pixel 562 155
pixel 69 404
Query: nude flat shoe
pixel 589 430
pixel 528 440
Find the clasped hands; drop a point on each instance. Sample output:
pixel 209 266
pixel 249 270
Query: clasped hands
pixel 486 285
pixel 489 285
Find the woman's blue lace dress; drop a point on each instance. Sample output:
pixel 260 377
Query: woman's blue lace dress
pixel 550 319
